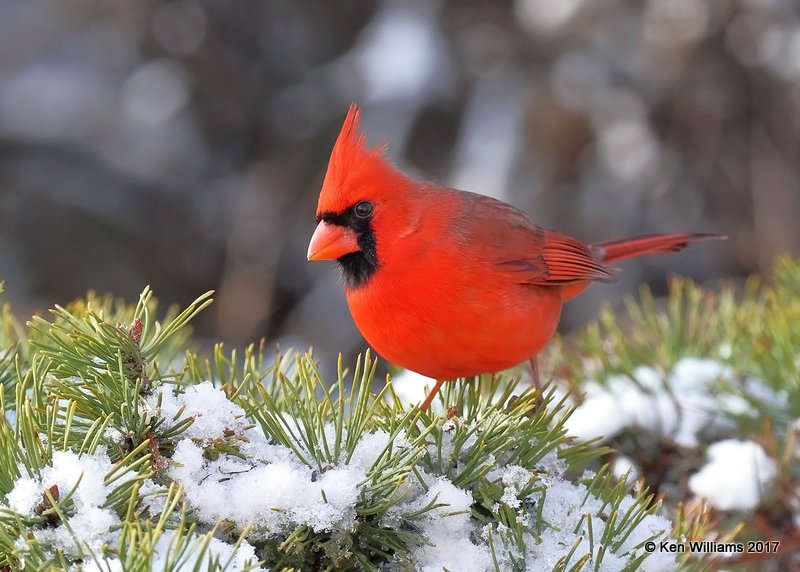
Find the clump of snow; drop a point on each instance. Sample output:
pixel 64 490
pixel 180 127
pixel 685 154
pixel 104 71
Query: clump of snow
pixel 682 406
pixel 737 476
pixel 289 492
pixel 212 411
pixel 448 529
pixel 564 504
pixel 65 471
pixel 91 523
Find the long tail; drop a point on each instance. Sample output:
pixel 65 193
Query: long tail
pixel 622 248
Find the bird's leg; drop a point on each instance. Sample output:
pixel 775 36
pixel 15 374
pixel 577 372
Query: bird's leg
pixel 535 374
pixel 431 395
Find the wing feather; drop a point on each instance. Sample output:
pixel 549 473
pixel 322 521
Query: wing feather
pixel 514 244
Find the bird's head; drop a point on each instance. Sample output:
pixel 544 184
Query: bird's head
pixel 364 201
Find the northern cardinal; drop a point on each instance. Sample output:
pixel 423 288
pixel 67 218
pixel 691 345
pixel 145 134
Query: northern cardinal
pixel 449 283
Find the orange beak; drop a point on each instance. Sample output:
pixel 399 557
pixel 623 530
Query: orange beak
pixel 331 241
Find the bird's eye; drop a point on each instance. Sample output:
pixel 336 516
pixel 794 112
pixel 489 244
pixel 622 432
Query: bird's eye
pixel 363 209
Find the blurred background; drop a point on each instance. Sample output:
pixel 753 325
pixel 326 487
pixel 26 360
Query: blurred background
pixel 182 144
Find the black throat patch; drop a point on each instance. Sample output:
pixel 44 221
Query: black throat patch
pixel 357 267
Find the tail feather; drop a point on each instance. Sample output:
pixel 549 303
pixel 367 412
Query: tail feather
pixel 620 249
pixel 612 251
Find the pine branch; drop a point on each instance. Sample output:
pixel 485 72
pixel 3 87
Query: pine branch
pixel 331 476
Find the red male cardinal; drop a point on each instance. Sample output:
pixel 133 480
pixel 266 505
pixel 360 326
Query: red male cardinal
pixel 449 283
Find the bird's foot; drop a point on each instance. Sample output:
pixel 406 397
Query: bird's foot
pixel 428 400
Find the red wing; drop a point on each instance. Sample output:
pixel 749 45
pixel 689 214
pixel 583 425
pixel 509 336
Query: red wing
pixel 569 261
pixel 526 252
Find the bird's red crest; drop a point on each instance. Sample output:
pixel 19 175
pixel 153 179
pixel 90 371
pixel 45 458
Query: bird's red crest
pixel 352 167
